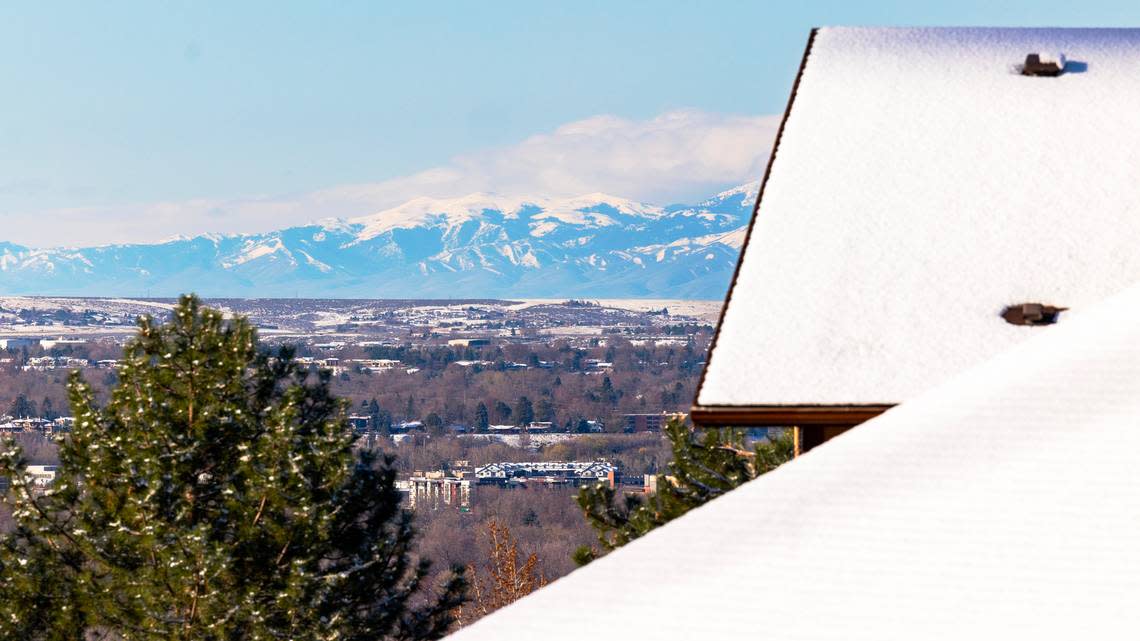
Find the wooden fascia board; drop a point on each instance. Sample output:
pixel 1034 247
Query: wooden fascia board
pixel 785 415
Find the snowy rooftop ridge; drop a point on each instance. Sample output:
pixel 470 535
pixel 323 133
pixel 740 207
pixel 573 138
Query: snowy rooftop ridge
pixel 958 515
pixel 895 229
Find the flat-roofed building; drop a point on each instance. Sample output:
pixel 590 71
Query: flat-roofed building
pixel 645 422
pixel 468 342
pixel 560 472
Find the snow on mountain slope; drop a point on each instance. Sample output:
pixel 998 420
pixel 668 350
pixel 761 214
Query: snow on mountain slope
pixel 433 212
pixel 591 210
pixel 489 244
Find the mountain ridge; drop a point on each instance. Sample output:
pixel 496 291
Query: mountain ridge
pixel 488 244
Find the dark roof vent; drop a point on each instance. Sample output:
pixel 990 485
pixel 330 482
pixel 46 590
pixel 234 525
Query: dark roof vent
pixel 1049 65
pixel 1031 314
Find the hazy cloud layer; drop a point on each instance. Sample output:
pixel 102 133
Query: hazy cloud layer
pixel 678 156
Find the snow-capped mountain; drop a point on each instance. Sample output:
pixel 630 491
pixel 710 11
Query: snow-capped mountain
pixel 480 245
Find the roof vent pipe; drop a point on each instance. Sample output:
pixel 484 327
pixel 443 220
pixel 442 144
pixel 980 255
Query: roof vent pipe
pixel 1031 314
pixel 1043 64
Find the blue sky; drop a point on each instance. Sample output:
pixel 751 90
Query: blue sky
pixel 116 111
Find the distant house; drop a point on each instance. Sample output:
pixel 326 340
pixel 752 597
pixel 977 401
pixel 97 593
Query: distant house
pixel 29 424
pixel 49 343
pixel 468 342
pixel 375 365
pixel 359 423
pixel 407 426
pixel 925 206
pixel 40 477
pixel 594 365
pixel 463 363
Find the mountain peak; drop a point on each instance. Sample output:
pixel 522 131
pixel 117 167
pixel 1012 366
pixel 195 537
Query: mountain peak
pixel 429 211
pixel 593 244
pixel 748 191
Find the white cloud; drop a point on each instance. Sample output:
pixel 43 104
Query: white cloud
pixel 678 156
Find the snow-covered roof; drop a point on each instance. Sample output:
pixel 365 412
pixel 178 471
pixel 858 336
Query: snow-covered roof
pixel 1005 501
pixel 920 185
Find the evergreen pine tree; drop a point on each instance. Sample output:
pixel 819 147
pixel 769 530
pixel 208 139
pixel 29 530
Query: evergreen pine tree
pixel 216 496
pixel 384 422
pixel 706 464
pixel 482 421
pixel 502 411
pixel 47 409
pixel 433 423
pixel 373 411
pixel 22 407
pixel 608 393
pixel 524 411
pixel 544 410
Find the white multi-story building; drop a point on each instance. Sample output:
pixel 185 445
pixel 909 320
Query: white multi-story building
pixel 435 490
pixel 553 472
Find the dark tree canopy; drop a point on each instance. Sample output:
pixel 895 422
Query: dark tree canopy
pixel 544 410
pixel 481 419
pixel 524 411
pixel 23 408
pixel 215 496
pixel 502 411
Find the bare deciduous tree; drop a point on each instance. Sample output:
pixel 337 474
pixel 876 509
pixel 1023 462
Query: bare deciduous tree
pixel 505 578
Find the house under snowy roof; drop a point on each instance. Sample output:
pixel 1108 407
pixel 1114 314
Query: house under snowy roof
pixel 1004 502
pixel 933 197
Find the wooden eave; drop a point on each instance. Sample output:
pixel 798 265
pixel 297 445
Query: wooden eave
pixel 774 415
pixel 785 415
